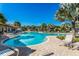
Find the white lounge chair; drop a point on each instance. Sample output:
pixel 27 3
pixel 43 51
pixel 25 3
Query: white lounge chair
pixel 9 51
pixel 68 40
pixel 49 54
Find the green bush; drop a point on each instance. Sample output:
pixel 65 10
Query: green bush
pixel 76 40
pixel 61 37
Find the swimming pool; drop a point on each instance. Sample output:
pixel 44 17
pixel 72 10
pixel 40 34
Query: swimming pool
pixel 27 39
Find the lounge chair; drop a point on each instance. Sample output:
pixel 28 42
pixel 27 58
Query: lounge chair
pixel 9 52
pixel 68 40
pixel 49 54
pixel 75 46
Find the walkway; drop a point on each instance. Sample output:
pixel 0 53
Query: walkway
pixel 52 46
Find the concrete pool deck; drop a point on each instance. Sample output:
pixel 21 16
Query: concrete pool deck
pixel 52 45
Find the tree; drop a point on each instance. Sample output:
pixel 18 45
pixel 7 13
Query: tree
pixel 18 24
pixel 2 19
pixel 70 12
pixel 24 28
pixel 33 28
pixel 43 27
pixel 57 29
pixel 50 27
pixel 66 27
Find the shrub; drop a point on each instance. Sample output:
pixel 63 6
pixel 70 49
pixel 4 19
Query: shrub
pixel 76 40
pixel 61 37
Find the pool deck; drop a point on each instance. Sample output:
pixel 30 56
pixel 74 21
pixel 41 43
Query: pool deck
pixel 52 47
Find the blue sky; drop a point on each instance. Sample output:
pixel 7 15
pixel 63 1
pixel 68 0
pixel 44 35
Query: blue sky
pixel 30 13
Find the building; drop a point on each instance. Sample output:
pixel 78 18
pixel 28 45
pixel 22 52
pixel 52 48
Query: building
pixel 6 28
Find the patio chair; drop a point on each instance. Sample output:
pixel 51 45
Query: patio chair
pixel 75 46
pixel 68 40
pixel 9 52
pixel 49 54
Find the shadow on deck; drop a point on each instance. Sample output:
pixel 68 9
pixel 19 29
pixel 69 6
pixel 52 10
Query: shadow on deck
pixel 25 51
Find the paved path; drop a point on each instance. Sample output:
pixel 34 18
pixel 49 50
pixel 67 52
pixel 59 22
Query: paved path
pixel 52 45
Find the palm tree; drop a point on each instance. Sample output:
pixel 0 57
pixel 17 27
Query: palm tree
pixel 50 27
pixel 17 24
pixel 66 27
pixel 28 28
pixel 33 28
pixel 2 19
pixel 57 29
pixel 70 12
pixel 24 28
pixel 43 27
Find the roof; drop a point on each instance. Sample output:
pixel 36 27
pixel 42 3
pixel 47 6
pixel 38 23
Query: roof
pixel 15 27
pixel 6 25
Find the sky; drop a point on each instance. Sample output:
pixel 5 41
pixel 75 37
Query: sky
pixel 30 13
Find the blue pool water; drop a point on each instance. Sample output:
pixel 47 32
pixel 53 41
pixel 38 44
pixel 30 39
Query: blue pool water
pixel 27 39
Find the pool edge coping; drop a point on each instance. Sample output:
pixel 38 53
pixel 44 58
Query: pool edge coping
pixel 46 40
